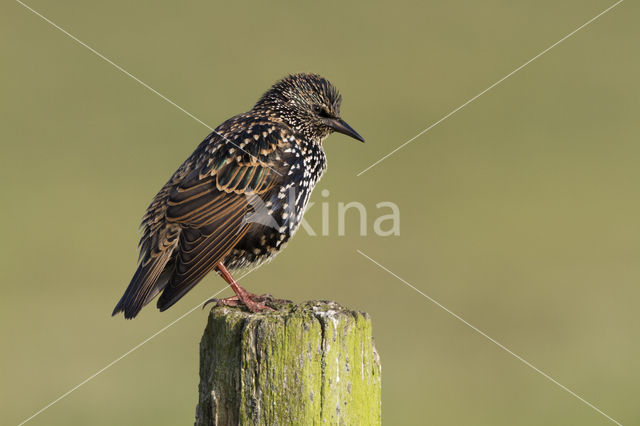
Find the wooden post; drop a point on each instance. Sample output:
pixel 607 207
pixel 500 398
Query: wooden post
pixel 307 364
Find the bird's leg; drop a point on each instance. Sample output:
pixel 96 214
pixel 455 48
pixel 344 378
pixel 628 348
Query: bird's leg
pixel 242 297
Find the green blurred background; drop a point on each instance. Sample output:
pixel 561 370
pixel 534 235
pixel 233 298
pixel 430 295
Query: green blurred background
pixel 520 212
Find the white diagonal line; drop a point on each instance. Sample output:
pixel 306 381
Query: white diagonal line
pixel 490 87
pixel 115 361
pixel 127 73
pixel 115 65
pixel 133 349
pixel 500 345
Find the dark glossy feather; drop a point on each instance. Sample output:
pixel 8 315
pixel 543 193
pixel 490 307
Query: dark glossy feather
pixel 146 282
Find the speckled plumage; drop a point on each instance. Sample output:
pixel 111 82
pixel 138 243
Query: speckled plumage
pixel 240 196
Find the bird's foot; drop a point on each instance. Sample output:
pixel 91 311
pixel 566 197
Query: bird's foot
pixel 252 301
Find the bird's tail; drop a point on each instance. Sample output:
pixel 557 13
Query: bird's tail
pixel 150 278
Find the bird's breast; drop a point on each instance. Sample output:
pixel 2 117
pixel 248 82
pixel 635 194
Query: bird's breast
pixel 274 220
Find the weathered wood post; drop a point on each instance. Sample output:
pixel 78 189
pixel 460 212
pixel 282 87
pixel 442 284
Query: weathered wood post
pixel 307 364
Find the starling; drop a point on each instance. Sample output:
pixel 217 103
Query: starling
pixel 236 201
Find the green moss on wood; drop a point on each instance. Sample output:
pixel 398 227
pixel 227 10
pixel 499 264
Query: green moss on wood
pixel 313 363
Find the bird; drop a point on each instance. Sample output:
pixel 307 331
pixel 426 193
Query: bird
pixel 237 200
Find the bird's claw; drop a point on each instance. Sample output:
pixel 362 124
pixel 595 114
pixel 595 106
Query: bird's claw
pixel 253 302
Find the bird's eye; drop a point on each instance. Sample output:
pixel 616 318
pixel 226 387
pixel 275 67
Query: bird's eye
pixel 321 111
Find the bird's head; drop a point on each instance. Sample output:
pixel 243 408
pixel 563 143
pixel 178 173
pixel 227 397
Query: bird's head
pixel 309 104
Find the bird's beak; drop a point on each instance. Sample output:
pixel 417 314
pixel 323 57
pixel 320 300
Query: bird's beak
pixel 340 126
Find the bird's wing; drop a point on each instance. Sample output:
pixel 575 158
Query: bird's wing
pixel 197 217
pixel 210 205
